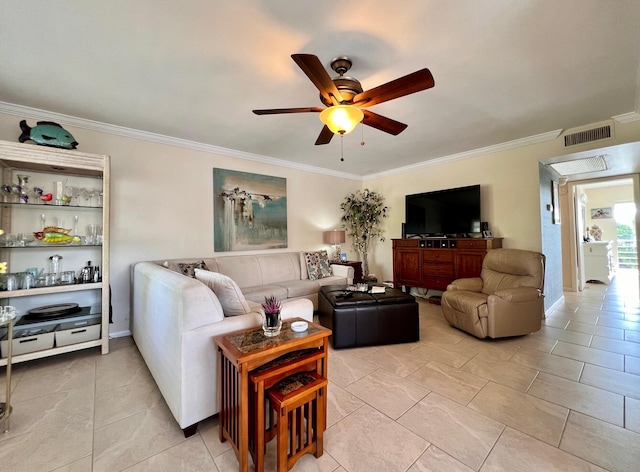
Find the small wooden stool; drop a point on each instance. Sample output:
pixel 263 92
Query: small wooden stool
pixel 300 407
pixel 263 420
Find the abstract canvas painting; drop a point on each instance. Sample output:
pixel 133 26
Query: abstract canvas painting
pixel 249 211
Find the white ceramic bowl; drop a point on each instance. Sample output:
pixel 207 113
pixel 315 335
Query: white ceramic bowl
pixel 299 326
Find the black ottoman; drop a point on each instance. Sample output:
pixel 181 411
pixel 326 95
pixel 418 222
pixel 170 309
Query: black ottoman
pixel 366 319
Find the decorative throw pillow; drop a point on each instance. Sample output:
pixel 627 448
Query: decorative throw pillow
pixel 186 268
pixel 317 264
pixel 230 296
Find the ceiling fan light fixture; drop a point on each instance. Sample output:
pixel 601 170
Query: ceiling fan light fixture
pixel 341 119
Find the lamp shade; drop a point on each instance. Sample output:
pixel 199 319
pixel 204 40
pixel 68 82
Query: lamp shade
pixel 333 237
pixel 341 119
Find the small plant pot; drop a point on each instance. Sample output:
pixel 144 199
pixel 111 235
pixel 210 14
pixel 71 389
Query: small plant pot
pixel 271 324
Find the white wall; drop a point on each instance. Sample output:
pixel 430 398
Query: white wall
pixel 162 202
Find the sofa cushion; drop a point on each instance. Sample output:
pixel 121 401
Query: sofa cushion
pixel 332 280
pixel 279 267
pixel 300 288
pixel 259 269
pixel 472 303
pixel 318 265
pixel 244 269
pixel 231 298
pixel 258 292
pixel 186 268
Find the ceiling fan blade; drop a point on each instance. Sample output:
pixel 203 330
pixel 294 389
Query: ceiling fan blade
pixel 415 82
pixel 276 111
pixel 316 72
pixel 383 123
pixel 325 136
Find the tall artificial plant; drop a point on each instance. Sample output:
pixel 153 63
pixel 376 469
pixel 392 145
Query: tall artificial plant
pixel 362 214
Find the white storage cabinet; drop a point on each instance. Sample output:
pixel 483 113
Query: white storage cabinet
pixel 598 261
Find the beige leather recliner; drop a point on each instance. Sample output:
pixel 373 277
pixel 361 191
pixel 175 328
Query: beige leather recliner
pixel 506 300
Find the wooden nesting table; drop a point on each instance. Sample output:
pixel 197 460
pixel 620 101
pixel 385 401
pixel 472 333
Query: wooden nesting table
pixel 240 353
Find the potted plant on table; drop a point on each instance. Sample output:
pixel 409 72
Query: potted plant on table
pixel 272 321
pixel 362 214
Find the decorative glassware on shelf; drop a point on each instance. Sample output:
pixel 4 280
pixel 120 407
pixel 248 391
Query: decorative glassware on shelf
pixel 272 322
pixel 73 194
pixel 62 194
pixel 17 193
pixel 82 196
pixel 39 196
pixel 22 193
pixel 7 313
pixel 86 194
pixel 94 197
pixel 21 188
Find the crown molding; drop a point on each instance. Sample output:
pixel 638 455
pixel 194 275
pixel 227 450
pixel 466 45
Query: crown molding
pixel 82 123
pixel 538 138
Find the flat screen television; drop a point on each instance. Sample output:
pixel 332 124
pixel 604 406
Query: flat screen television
pixel 452 212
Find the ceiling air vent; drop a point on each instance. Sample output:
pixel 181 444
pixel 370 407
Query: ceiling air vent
pixel 581 166
pixel 587 136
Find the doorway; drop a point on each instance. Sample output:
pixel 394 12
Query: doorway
pixel 605 208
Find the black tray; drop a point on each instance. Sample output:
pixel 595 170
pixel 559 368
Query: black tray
pixel 53 311
pixel 26 320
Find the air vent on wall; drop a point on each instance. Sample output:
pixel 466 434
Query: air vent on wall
pixel 587 136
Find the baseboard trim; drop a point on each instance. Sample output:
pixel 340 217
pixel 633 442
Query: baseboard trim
pixel 120 334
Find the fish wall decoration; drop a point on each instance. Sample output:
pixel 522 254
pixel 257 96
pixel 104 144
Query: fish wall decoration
pixel 47 133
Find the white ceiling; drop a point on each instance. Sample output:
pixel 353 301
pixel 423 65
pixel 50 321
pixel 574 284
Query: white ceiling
pixel 195 69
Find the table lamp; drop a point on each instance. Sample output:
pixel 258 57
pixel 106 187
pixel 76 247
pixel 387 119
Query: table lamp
pixel 335 238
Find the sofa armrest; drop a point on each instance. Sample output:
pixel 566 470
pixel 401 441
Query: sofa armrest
pixel 515 312
pixel 470 284
pixel 343 271
pixel 517 295
pixel 164 296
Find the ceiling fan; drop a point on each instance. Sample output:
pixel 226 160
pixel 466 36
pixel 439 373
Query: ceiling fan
pixel 346 103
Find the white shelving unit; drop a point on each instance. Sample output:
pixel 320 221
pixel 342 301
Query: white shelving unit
pixel 46 165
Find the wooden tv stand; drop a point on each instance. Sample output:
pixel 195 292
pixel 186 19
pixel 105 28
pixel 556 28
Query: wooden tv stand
pixel 433 263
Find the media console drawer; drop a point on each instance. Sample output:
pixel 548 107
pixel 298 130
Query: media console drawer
pixel 437 256
pixel 437 283
pixel 406 243
pixel 437 269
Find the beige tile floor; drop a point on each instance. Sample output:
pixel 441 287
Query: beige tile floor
pixel 565 398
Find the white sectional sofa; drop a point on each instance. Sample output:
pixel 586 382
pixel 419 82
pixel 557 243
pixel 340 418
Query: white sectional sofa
pixel 175 316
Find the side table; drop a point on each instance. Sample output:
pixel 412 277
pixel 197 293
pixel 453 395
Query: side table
pixel 7 317
pixel 357 269
pixel 244 351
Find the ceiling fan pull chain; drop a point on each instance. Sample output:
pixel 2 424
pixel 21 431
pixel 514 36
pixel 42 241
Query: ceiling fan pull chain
pixel 342 147
pixel 362 129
